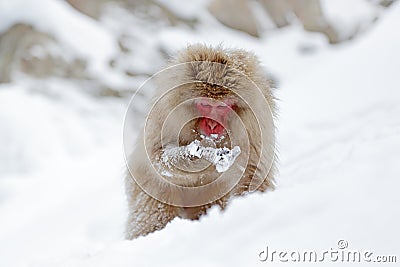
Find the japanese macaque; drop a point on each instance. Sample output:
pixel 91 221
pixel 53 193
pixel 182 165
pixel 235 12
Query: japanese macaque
pixel 209 136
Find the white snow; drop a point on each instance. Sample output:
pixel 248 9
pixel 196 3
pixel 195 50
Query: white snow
pixel 221 158
pixel 185 9
pixel 194 149
pixel 349 17
pixel 62 200
pixel 225 158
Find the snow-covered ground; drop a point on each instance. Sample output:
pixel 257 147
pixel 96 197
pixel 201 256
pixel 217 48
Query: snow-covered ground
pixel 62 201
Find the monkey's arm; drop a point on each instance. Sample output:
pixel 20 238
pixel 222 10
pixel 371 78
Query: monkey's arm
pixel 146 214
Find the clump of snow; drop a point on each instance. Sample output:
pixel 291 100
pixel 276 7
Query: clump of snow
pixel 225 158
pixel 195 149
pixel 221 158
pixel 214 136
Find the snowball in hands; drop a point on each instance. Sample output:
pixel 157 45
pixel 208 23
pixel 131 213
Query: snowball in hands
pixel 221 158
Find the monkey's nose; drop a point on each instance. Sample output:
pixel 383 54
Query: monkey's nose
pixel 212 124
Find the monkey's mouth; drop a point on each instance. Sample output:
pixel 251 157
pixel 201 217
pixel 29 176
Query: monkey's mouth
pixel 211 127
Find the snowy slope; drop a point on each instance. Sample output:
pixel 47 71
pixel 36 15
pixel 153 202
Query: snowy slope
pixel 66 24
pixel 62 201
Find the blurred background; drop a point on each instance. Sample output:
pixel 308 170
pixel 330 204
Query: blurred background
pixel 69 68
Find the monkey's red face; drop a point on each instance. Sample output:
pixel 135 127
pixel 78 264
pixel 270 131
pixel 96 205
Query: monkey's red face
pixel 214 115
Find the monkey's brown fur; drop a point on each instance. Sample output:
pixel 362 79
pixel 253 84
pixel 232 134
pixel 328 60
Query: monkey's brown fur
pixel 237 72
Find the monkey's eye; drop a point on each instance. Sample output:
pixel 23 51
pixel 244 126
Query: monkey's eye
pixel 205 105
pixel 222 107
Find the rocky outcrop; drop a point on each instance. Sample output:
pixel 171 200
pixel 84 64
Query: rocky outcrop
pixel 239 15
pixel 235 14
pixel 29 51
pixel 309 13
pixel 90 8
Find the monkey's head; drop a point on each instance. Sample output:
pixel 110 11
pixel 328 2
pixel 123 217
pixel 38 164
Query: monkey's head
pixel 217 87
pixel 214 92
